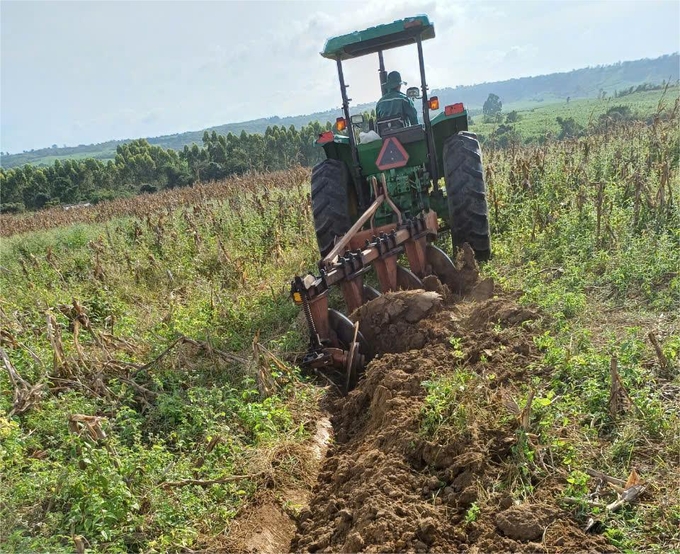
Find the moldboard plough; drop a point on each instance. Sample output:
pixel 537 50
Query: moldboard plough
pixel 377 200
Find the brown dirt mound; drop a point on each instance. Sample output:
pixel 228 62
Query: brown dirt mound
pixel 387 486
pixel 392 322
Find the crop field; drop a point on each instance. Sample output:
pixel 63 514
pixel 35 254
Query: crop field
pixel 150 398
pixel 535 121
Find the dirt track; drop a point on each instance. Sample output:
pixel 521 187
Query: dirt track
pixel 387 487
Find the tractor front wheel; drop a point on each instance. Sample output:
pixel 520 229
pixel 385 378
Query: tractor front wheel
pixel 466 192
pixel 333 202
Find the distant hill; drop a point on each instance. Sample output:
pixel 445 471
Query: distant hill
pixel 589 82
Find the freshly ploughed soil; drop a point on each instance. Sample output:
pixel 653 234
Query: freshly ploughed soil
pixel 388 486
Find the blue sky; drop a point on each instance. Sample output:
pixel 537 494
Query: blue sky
pixel 82 72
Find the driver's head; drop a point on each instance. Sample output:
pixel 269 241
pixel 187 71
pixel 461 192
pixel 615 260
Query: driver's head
pixel 394 81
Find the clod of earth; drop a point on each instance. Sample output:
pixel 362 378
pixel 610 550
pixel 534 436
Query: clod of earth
pixel 389 323
pixel 525 523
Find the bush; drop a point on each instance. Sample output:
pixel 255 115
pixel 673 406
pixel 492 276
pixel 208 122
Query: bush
pixel 568 128
pixel 512 117
pixel 102 195
pixel 148 189
pixel 12 208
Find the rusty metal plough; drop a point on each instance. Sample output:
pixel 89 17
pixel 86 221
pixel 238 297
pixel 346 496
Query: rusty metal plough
pixel 336 342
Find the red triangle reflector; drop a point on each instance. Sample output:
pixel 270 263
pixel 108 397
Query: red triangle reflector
pixel 392 155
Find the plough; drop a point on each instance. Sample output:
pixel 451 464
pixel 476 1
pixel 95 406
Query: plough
pixel 336 342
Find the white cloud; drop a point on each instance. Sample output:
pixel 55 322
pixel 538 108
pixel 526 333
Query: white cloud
pixel 524 51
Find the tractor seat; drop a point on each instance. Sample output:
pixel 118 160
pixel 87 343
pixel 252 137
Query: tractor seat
pixel 387 125
pixel 396 128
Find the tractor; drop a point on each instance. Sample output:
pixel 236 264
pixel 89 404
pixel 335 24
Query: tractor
pixel 375 202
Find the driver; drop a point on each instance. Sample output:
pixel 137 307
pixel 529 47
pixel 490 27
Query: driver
pixel 395 103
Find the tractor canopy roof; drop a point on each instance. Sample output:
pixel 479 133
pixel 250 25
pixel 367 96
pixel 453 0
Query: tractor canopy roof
pixel 381 37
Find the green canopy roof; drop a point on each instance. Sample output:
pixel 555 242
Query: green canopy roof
pixel 382 37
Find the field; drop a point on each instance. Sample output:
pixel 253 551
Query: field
pixel 150 399
pixel 535 122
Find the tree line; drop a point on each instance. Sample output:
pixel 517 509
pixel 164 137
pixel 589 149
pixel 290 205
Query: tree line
pixel 142 167
pixel 581 83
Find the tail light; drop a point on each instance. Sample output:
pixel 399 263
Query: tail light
pixel 325 137
pixel 434 103
pixel 340 124
pixel 454 109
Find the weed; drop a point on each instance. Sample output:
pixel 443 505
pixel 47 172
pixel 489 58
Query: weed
pixel 445 412
pixel 472 513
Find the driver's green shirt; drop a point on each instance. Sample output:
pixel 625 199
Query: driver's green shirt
pixel 396 104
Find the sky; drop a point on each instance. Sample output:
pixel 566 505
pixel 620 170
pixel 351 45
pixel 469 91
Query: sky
pixel 82 72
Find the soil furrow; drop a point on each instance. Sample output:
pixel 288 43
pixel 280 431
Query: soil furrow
pixel 406 474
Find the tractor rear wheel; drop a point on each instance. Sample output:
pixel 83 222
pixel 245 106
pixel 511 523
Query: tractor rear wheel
pixel 333 202
pixel 466 192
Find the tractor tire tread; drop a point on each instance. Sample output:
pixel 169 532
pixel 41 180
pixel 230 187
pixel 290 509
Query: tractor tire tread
pixel 466 193
pixel 330 202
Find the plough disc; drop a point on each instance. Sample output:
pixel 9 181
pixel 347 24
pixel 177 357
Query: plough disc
pixel 370 293
pixel 407 280
pixel 442 266
pixel 353 344
pixel 344 331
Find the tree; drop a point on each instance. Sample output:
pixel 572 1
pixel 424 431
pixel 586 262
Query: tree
pixel 512 117
pixel 141 166
pixel 65 190
pixel 569 128
pixel 492 107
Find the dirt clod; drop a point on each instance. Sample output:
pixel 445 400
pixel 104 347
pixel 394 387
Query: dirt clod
pixel 519 523
pixel 390 322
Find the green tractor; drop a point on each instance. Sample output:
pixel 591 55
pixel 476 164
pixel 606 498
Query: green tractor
pixel 374 200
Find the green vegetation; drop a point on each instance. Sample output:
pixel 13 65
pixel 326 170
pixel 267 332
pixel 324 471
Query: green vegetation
pixel 589 231
pixel 591 82
pixel 138 333
pixel 140 167
pixel 445 412
pixel 492 108
pixel 84 309
pixel 521 125
pixel 472 513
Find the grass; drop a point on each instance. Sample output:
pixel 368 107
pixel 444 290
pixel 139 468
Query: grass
pixel 587 229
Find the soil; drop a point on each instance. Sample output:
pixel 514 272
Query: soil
pixel 269 524
pixel 384 487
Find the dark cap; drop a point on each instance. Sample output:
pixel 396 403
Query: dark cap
pixel 394 80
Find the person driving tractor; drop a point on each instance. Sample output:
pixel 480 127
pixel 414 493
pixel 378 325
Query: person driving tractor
pixel 395 103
